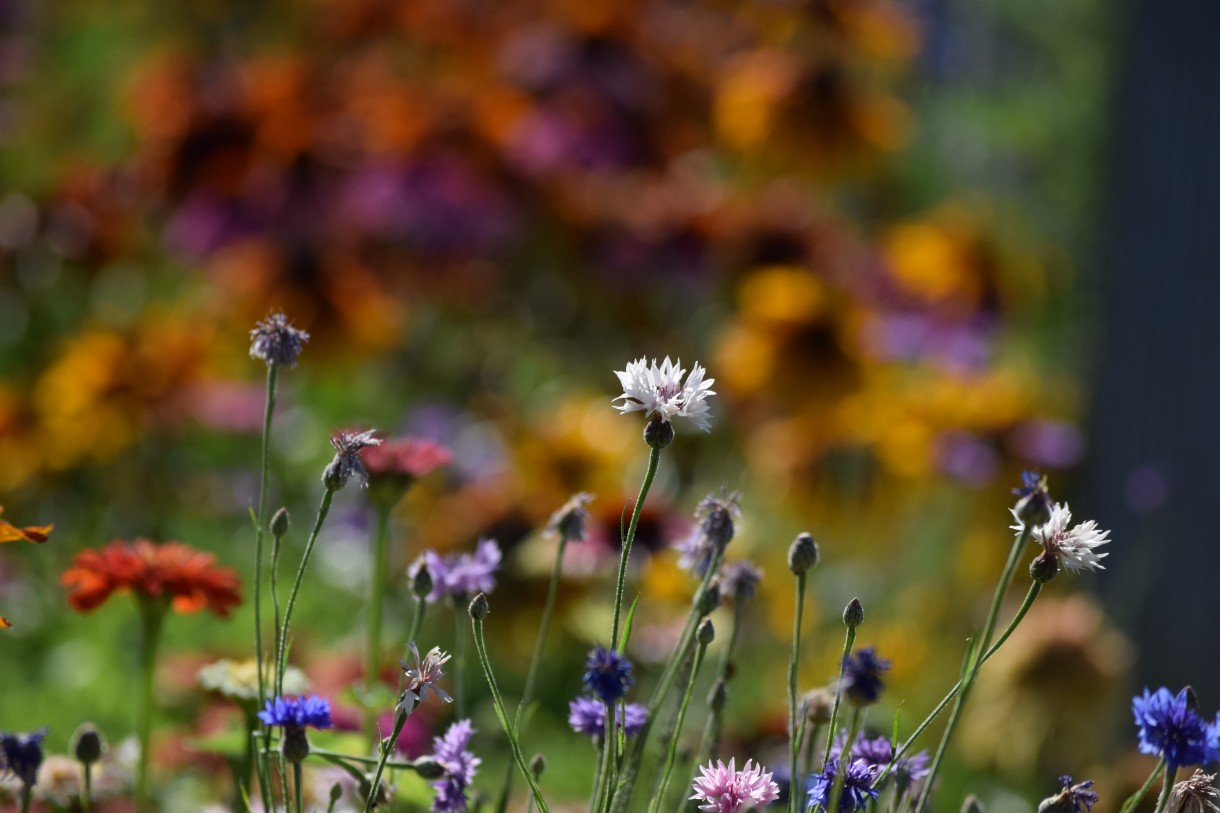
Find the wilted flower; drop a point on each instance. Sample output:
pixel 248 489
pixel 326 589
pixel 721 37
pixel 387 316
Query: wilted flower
pixel 422 678
pixel 35 533
pixel 568 522
pixel 1076 798
pixel 1171 729
pixel 862 676
pixel 276 341
pixel 587 716
pixel 659 391
pixel 23 754
pixel 607 674
pixel 724 789
pixel 462 575
pixel 460 768
pixel 739 580
pixel 1074 547
pixel 858 787
pixel 238 680
pixel 189 578
pixel 1195 795
pixel 714 517
pixel 347 462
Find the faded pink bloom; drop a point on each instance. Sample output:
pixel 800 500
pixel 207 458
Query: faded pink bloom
pixel 724 789
pixel 405 457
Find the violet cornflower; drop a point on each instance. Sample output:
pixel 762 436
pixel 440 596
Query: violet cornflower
pixel 587 716
pixel 1170 727
pixel 461 575
pixel 862 676
pixel 460 767
pixel 724 789
pixel 857 786
pixel 607 674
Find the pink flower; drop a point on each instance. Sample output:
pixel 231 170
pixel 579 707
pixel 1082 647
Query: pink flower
pixel 724 789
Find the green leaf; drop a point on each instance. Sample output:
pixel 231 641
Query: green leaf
pixel 626 634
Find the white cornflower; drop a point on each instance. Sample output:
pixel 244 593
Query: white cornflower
pixel 1075 547
pixel 659 391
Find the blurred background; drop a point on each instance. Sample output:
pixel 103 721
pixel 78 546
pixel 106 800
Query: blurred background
pixel 921 246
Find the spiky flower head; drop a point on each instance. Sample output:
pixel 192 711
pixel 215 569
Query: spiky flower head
pixel 1195 795
pixel 276 341
pixel 658 391
pixel 713 530
pixel 299 712
pixel 587 715
pixel 723 789
pixel 862 672
pixel 739 580
pixel 1073 547
pixel 1169 727
pixel 1078 798
pixel 568 522
pixel 22 754
pixel 607 674
pixel 347 462
pixel 857 791
pixel 460 766
pixel 422 678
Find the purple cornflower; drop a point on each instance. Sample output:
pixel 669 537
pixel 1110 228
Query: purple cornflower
pixel 461 575
pixel 22 754
pixel 347 462
pixel 1078 798
pixel 739 580
pixel 724 789
pixel 1170 727
pixel 607 674
pixel 857 786
pixel 877 753
pixel 713 531
pixel 310 711
pixel 862 676
pixel 587 716
pixel 276 341
pixel 460 768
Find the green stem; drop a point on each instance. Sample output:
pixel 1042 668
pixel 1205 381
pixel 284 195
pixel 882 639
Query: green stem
pixel 1134 799
pixel 335 755
pixel 672 752
pixel 836 791
pixel 259 530
pixel 654 460
pixel 296 786
pixel 276 548
pixel 27 794
pixel 711 730
pixel 377 584
pixel 282 660
pixel 387 748
pixel 152 613
pixel 245 767
pixel 418 619
pixel 1171 774
pixel 848 640
pixel 459 672
pixel 793 663
pixel 498 702
pixel 86 796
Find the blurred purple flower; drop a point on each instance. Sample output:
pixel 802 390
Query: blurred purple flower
pixel 1048 443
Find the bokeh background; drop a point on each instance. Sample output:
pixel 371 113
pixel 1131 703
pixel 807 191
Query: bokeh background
pixel 921 246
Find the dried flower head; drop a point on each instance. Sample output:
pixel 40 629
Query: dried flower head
pixel 659 391
pixel 276 341
pixel 347 462
pixel 189 578
pixel 724 789
pixel 1074 547
pixel 1078 798
pixel 422 678
pixel 713 530
pixel 1195 795
pixel 568 522
pixel 587 715
pixel 459 764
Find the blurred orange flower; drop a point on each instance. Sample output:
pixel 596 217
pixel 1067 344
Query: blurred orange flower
pixel 189 577
pixel 11 533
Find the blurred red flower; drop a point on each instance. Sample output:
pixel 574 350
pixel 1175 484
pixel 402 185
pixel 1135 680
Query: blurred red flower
pixel 407 456
pixel 189 577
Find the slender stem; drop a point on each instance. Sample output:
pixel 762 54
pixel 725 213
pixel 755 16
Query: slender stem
pixel 1171 773
pixel 658 799
pixel 1134 799
pixel 260 529
pixel 296 786
pixel 848 640
pixel 276 549
pixel 836 792
pixel 282 660
pixel 595 793
pixel 387 748
pixel 418 619
pixel 498 702
pixel 793 662
pixel 86 796
pixel 654 460
pixel 810 750
pixel 607 769
pixel 544 628
pixel 377 583
pixel 459 672
pixel 27 793
pixel 711 729
pixel 152 613
pixel 246 766
pixel 333 755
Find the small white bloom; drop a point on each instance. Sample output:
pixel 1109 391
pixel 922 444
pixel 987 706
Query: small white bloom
pixel 423 677
pixel 1075 547
pixel 659 391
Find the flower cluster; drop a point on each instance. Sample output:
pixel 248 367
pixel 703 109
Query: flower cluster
pixel 461 575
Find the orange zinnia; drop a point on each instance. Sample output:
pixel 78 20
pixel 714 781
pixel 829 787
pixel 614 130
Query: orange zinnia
pixel 11 533
pixel 188 577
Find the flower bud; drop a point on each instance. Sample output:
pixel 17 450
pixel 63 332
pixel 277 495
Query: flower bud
pixel 1035 503
pixel 706 632
pixel 333 476
pixel 658 433
pixel 421 582
pixel 853 614
pixel 87 744
pixel 1044 567
pixel 279 523
pixel 428 768
pixel 479 608
pixel 537 766
pixel 336 793
pixel 710 599
pixel 294 745
pixel 803 554
pixel 718 696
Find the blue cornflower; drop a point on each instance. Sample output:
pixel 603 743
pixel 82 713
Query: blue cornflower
pixel 22 754
pixel 1170 728
pixel 607 674
pixel 588 716
pixel 857 786
pixel 310 711
pixel 460 768
pixel 862 676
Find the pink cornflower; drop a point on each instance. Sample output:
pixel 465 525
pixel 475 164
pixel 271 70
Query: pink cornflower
pixel 724 789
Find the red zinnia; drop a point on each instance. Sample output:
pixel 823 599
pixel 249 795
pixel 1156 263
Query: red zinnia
pixel 407 457
pixel 187 576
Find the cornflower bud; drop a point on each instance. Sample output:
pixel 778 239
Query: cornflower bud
pixel 479 608
pixel 853 614
pixel 706 632
pixel 803 554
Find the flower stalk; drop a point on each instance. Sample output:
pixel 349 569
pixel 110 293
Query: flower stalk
pixel 282 653
pixel 377 584
pixel 671 754
pixel 152 614
pixel 260 526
